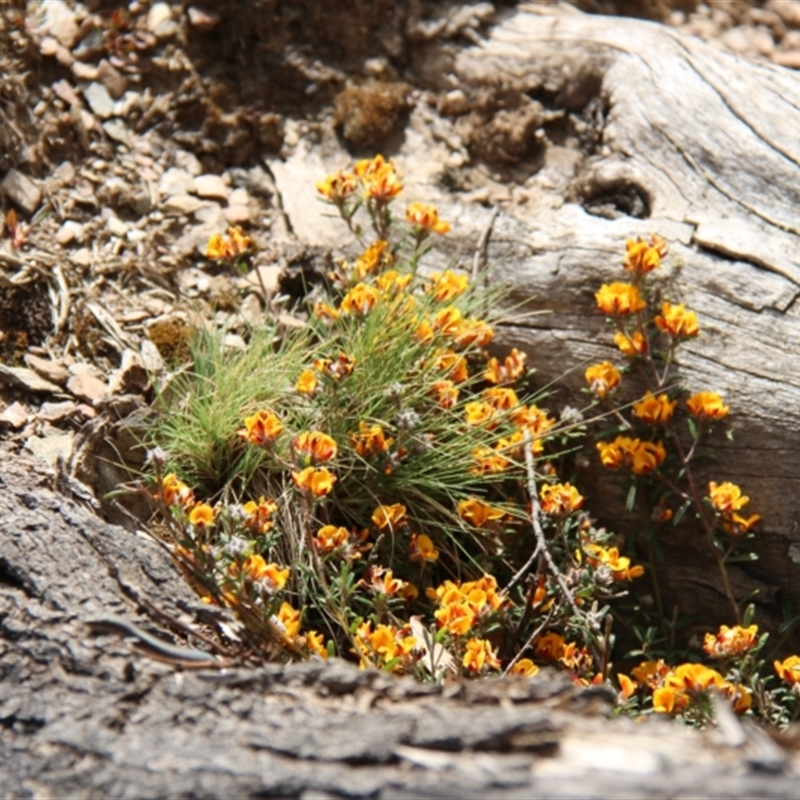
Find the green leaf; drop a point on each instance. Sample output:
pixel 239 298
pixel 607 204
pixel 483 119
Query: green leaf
pixel 630 501
pixel 676 520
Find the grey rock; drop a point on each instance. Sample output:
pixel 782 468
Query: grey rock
pixel 176 181
pixel 21 191
pixel 212 187
pixel 59 22
pixel 99 100
pixel 112 79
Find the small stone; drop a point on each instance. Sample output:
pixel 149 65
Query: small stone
pixel 51 448
pixel 736 40
pixel 14 416
pixel 65 172
pixel 21 191
pixel 188 162
pixel 82 257
pixel 25 378
pixel 211 216
pixel 92 45
pixel 116 227
pixel 55 412
pixel 48 46
pixel 181 204
pixel 84 72
pixel 59 21
pixel 212 187
pixel 131 377
pixel 176 181
pixel 762 40
pixel 203 19
pixel 99 100
pixel 267 277
pixel 64 56
pixel 788 58
pixel 151 357
pixel 236 214
pixel 66 233
pixel 52 370
pixel 112 79
pixel 87 387
pixel 117 131
pixel 239 197
pixel 160 22
pixel 787 10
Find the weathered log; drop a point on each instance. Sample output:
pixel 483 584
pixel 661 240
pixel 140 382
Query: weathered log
pixel 82 714
pixel 640 130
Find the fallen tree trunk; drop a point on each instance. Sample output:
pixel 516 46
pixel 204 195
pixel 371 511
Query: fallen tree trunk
pixel 586 130
pixel 84 715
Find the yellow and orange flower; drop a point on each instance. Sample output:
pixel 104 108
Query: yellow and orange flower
pixel 445 392
pixel 255 568
pixel 633 345
pixel 422 548
pixel 602 378
pixel 474 331
pixel 392 516
pixel 261 429
pixel 392 281
pixel 726 497
pixel 729 642
pixel 448 321
pixel 454 365
pixel 550 646
pixel 379 179
pixel 337 186
pixel 373 259
pixel 316 445
pixel 511 369
pixel 318 482
pixel 201 516
pixel 619 299
pixel 426 217
pixel 258 515
pixel 655 410
pixel 361 299
pixel 331 537
pixel 642 257
pixel 176 492
pixel 307 382
pixel 488 461
pixel 479 413
pixel 370 440
pixel 479 656
pixel 560 499
pixel 448 285
pixel 641 457
pixel 626 685
pixel 524 668
pixel 478 513
pixel 618 566
pixel 788 670
pixel 287 620
pixel 325 312
pixel 707 405
pixel 228 246
pixel 336 369
pixel 502 398
pixel 676 321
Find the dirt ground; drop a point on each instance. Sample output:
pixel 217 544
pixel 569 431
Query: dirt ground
pixel 130 133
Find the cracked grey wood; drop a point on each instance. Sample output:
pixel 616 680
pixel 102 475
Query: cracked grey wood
pixel 83 715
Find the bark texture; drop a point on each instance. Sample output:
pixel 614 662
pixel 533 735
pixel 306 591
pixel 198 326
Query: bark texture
pixel 84 715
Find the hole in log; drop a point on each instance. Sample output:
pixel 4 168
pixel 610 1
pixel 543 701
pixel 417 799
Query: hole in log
pixel 614 199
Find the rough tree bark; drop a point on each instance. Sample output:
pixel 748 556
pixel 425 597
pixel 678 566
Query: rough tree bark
pixel 640 130
pixel 84 715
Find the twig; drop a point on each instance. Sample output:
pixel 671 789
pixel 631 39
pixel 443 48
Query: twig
pixel 482 248
pixel 541 542
pixel 529 642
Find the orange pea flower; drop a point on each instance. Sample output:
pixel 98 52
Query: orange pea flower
pixel 479 656
pixel 653 409
pixel 261 429
pixel 389 516
pixel 735 641
pixel 642 257
pixel 478 513
pixel 677 321
pixel 602 378
pixel 788 670
pixel 726 497
pixel 201 516
pixel 316 445
pixel 337 186
pixel 426 217
pixel 707 405
pixel 318 482
pixel 633 345
pixel 448 285
pixel 560 499
pixel 422 548
pixel 361 299
pixel 619 299
pixel 259 515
